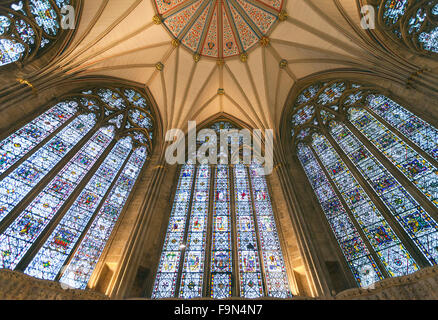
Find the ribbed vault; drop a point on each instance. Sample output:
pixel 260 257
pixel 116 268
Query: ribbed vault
pixel 127 39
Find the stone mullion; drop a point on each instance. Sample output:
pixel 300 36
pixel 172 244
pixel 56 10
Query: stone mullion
pixel 186 230
pixel 43 183
pixel 36 148
pixel 235 278
pixel 42 238
pixel 403 137
pixel 96 212
pixel 209 235
pixel 351 216
pixel 102 259
pixel 389 218
pixel 313 265
pixel 400 177
pixel 256 230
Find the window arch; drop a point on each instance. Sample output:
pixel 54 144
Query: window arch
pixel 415 23
pixel 373 167
pixel 65 178
pixel 221 239
pixel 29 27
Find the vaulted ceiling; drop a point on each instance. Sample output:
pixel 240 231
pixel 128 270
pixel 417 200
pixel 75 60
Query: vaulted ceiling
pixel 261 49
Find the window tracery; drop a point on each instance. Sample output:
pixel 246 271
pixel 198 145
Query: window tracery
pixel 29 27
pixel 65 179
pixel 333 146
pixel 222 233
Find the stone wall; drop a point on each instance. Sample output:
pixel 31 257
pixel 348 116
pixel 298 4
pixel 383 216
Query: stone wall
pixel 18 286
pixel 422 285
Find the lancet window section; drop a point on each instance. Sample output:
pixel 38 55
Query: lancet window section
pixel 65 179
pixel 335 126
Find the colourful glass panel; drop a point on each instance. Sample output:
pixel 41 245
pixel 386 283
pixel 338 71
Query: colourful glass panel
pixel 49 260
pixel 303 115
pixel 308 94
pixel 382 238
pixel 192 278
pixel 247 248
pixel 28 226
pixel 81 267
pixel 43 14
pixel 167 273
pixel 417 169
pixel 10 51
pixel 413 219
pixel 275 272
pixel 331 93
pixel 395 9
pixel 412 127
pixel 221 251
pixel 14 147
pixel 27 175
pixel 351 243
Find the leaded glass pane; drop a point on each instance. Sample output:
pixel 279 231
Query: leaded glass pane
pixel 82 264
pixel 352 245
pixel 25 38
pixel 221 251
pixel 20 235
pixel 192 278
pixel 167 273
pixel 247 247
pixel 14 147
pixel 387 187
pixel 49 260
pixel 16 186
pixel 415 167
pixel 274 271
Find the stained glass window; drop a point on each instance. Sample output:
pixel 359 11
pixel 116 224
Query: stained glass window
pixel 340 110
pixel 359 259
pixel 412 127
pixel 413 24
pixel 27 27
pixel 250 274
pixel 219 239
pixel 192 277
pixel 415 167
pixel 275 271
pixel 65 179
pixel 167 274
pixel 221 249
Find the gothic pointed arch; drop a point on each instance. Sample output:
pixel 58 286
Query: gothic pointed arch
pixel 372 165
pixel 67 176
pixel 222 239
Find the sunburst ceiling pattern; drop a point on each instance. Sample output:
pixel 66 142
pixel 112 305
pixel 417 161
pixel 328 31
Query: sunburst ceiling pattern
pixel 219 28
